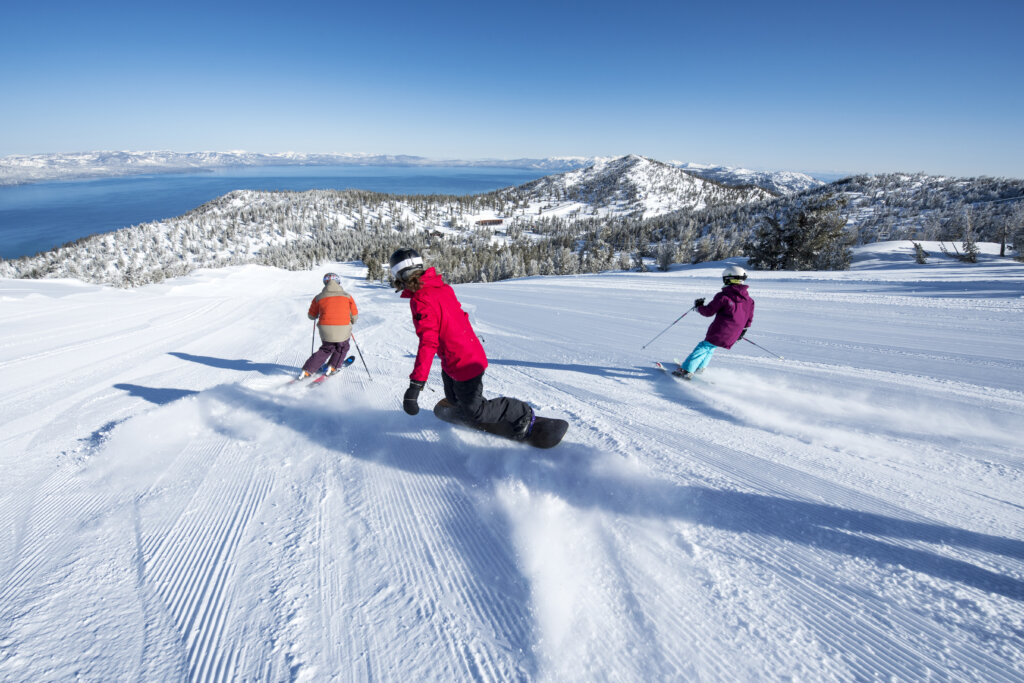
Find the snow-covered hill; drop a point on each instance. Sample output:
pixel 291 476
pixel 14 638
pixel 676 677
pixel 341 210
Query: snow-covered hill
pixel 604 214
pixel 776 182
pixel 171 510
pixel 273 227
pixel 634 185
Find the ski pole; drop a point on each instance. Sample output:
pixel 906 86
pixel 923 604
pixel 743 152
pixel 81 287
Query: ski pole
pixel 666 329
pixel 312 342
pixel 764 349
pixel 361 356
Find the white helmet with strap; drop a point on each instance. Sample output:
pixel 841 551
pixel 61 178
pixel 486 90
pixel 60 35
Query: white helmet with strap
pixel 733 275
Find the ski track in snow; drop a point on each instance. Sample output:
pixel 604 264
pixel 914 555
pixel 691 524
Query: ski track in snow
pixel 174 509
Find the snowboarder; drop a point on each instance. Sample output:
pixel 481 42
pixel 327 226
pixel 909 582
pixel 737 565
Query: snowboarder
pixel 444 329
pixel 733 310
pixel 335 312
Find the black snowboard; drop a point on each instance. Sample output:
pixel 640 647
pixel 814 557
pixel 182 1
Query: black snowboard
pixel 547 432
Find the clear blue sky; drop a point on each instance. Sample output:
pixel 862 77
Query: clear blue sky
pixel 812 86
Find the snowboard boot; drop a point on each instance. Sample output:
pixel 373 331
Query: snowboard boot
pixel 525 427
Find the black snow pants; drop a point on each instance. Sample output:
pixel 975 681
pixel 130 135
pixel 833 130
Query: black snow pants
pixel 503 416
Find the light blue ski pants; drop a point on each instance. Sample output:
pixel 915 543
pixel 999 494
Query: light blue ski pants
pixel 699 357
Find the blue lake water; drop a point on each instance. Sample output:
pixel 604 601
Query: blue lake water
pixel 40 216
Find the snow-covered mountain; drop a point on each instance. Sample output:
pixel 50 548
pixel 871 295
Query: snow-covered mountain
pixel 170 510
pixel 776 182
pixel 585 220
pixel 293 228
pixel 17 169
pixel 635 185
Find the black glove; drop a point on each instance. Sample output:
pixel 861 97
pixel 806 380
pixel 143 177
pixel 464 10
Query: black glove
pixel 743 333
pixel 698 302
pixel 409 403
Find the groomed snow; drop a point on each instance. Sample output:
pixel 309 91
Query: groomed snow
pixel 171 509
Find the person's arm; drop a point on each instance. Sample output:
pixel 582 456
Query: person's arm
pixel 712 308
pixel 427 320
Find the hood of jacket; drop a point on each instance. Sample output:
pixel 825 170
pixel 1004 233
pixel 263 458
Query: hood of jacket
pixel 332 288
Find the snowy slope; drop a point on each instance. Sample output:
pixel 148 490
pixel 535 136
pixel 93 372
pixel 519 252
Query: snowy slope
pixel 171 509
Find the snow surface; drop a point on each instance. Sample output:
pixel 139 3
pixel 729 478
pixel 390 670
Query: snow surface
pixel 172 509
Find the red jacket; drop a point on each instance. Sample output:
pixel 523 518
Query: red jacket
pixel 444 329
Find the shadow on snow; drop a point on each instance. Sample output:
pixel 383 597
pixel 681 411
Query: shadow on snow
pixel 567 474
pixel 160 397
pixel 240 364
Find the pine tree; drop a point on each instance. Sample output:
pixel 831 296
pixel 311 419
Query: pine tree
pixel 810 237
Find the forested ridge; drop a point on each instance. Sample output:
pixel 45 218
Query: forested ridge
pixel 627 213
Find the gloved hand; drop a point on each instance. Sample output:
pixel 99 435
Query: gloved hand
pixel 409 403
pixel 743 333
pixel 698 302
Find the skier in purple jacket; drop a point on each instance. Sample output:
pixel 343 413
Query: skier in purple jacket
pixel 733 310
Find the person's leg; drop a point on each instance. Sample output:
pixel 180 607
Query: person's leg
pixel 693 361
pixel 449 388
pixel 503 416
pixel 709 350
pixel 317 359
pixel 338 354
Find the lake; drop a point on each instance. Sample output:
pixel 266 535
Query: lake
pixel 39 216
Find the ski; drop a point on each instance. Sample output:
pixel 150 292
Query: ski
pixel 669 370
pixel 323 378
pixel 698 375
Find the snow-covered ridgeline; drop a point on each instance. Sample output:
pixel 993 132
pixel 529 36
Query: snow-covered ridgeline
pixel 245 226
pixel 634 185
pixel 776 182
pixel 702 220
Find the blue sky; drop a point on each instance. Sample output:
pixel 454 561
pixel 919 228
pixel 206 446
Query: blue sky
pixel 811 86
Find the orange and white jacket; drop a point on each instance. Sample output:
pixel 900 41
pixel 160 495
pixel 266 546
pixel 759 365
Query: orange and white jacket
pixel 335 312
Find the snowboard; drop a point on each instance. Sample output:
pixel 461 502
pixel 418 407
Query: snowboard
pixel 547 432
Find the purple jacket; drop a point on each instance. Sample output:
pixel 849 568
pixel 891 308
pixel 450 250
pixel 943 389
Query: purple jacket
pixel 733 310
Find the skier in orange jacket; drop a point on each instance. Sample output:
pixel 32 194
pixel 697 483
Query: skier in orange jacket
pixel 335 312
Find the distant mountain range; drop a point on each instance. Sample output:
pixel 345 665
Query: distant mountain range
pixel 20 169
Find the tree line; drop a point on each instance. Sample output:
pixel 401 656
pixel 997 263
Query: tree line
pixel 297 230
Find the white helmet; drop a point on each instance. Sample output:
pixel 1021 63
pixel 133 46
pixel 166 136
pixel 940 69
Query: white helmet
pixel 733 275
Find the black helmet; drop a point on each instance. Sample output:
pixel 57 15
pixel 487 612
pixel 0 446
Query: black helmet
pixel 404 261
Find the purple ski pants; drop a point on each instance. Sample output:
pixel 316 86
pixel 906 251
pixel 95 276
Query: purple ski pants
pixel 335 350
